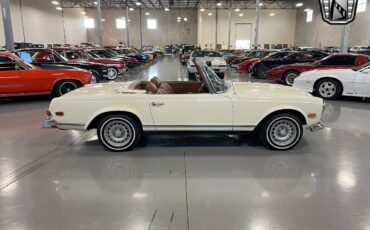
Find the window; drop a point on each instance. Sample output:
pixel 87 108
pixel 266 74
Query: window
pixel 5 59
pixel 339 60
pixel 89 23
pixel 243 44
pixel 121 23
pixel 361 6
pixel 309 15
pixel 152 24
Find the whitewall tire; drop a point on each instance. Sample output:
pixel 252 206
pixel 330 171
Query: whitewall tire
pixel 119 132
pixel 281 132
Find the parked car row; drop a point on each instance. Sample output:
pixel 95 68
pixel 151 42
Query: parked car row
pixel 59 70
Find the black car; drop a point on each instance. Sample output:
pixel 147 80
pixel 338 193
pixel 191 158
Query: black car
pixel 263 66
pixel 126 52
pixel 47 58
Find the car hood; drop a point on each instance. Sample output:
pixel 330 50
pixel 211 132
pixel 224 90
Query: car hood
pixel 269 91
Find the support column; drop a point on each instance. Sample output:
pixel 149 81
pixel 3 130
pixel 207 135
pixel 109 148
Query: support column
pixel 256 31
pixel 229 32
pixel 141 30
pixel 216 33
pixel 344 39
pixel 100 23
pixel 127 25
pixel 7 21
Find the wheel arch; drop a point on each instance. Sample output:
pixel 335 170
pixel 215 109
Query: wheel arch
pixel 293 111
pixel 93 123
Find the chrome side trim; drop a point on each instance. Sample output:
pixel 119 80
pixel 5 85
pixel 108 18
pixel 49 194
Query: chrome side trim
pixel 197 128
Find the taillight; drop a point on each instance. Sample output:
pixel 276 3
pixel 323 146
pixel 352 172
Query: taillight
pixel 59 114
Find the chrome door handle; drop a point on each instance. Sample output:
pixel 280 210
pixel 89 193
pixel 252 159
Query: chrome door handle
pixel 157 104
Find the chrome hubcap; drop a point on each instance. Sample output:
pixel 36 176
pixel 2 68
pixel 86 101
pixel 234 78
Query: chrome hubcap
pixel 112 73
pixel 290 78
pixel 283 132
pixel 327 89
pixel 118 133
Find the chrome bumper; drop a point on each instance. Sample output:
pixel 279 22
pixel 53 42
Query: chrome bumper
pixel 49 123
pixel 317 127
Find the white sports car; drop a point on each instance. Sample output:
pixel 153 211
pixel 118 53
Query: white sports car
pixel 333 83
pixel 122 112
pixel 211 58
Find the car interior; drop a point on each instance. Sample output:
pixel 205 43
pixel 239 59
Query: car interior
pixel 156 86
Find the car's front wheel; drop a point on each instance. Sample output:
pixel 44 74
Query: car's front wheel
pixel 262 72
pixel 281 132
pixel 112 73
pixel 328 89
pixel 119 132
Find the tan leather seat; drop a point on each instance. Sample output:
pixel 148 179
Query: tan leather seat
pixel 151 88
pixel 163 87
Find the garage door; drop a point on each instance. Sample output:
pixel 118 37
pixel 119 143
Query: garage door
pixel 243 35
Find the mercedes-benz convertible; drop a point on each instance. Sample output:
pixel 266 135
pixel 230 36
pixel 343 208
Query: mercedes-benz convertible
pixel 123 112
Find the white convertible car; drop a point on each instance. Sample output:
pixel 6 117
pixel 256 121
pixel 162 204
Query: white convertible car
pixel 122 112
pixel 333 83
pixel 211 58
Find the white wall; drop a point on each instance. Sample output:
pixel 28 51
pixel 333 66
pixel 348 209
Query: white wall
pixel 278 29
pixel 44 24
pixel 168 31
pixel 319 33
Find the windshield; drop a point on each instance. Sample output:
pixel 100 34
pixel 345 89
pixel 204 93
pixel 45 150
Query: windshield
pixel 206 54
pixel 218 85
pixel 103 53
pixel 358 68
pixel 23 62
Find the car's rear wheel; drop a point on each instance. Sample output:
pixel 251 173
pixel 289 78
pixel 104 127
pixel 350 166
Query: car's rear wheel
pixel 64 87
pixel 328 89
pixel 262 72
pixel 281 132
pixel 289 77
pixel 119 132
pixel 112 73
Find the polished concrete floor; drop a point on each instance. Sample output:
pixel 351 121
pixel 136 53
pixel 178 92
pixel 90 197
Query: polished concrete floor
pixel 59 180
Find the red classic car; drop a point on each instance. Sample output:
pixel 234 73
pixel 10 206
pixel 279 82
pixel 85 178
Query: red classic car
pixel 245 65
pixel 115 65
pixel 18 78
pixel 236 55
pixel 287 73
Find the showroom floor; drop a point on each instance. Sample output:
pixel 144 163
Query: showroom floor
pixel 51 179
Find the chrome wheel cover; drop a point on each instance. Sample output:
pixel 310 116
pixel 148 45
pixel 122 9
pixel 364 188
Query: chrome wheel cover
pixel 67 87
pixel 283 132
pixel 112 74
pixel 289 79
pixel 327 89
pixel 118 133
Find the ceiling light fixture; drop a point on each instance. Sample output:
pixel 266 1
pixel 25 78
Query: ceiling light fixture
pixel 237 10
pixel 55 2
pixel 59 8
pixel 185 19
pixel 219 4
pixel 95 3
pixel 261 4
pixel 202 10
pixel 166 9
pixel 131 9
pixel 210 14
pixel 299 4
pixel 241 15
pixel 138 3
pixel 272 14
pixel 147 13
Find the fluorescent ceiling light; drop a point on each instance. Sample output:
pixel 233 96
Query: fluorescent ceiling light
pixel 237 10
pixel 147 13
pixel 299 4
pixel 185 19
pixel 83 12
pixel 202 10
pixel 138 3
pixel 95 3
pixel 166 9
pixel 103 20
pixel 219 4
pixel 261 4
pixel 210 14
pixel 240 15
pixel 59 8
pixel 272 14
pixel 131 9
pixel 55 2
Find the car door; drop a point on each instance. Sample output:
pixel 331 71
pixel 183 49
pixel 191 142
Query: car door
pixel 361 83
pixel 191 112
pixel 11 81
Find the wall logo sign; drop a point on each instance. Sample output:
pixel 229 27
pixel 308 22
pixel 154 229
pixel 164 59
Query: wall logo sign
pixel 338 12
